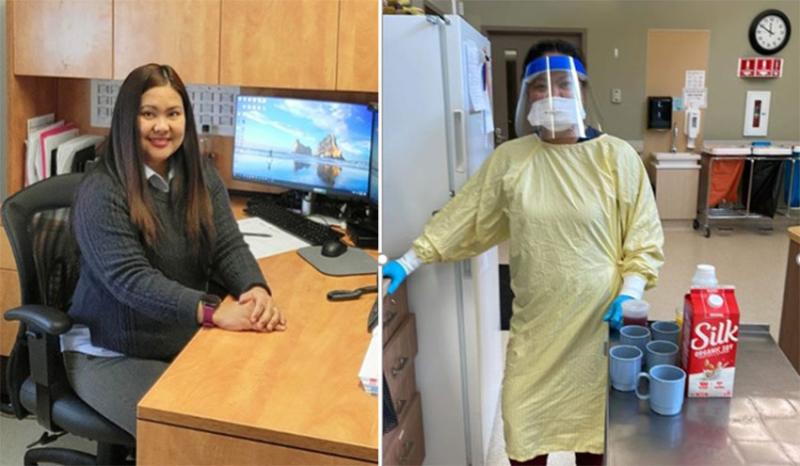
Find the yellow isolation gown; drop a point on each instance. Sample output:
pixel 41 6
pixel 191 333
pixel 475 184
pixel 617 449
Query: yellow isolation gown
pixel 579 217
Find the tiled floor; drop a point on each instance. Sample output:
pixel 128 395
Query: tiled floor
pixel 753 262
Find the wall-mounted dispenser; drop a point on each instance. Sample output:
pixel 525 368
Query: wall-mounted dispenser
pixel 691 126
pixel 659 113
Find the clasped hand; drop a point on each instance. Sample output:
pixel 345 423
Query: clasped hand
pixel 255 310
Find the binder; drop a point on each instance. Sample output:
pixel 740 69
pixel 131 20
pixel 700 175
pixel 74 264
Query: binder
pixel 50 141
pixel 66 152
pixel 33 163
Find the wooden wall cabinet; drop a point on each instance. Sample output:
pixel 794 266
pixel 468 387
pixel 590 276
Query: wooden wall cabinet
pixel 357 54
pixel 279 44
pixel 66 39
pixel 299 44
pixel 182 34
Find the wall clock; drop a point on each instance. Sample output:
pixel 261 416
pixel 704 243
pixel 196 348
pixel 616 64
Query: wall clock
pixel 769 32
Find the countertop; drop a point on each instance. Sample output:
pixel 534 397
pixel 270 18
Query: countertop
pixel 760 424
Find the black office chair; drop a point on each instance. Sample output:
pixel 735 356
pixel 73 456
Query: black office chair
pixel 37 220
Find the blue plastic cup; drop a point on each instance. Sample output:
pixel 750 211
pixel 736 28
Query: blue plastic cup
pixel 626 363
pixel 635 335
pixel 665 393
pixel 661 352
pixel 665 330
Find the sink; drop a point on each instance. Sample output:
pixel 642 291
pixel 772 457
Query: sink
pixel 675 156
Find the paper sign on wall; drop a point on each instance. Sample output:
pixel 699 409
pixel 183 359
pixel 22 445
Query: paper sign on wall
pixel 695 98
pixel 695 79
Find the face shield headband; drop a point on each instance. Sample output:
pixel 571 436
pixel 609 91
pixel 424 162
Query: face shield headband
pixel 558 104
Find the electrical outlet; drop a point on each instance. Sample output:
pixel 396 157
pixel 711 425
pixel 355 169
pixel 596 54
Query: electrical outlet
pixel 616 96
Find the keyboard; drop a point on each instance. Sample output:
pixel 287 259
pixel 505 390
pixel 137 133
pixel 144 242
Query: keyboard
pixel 291 222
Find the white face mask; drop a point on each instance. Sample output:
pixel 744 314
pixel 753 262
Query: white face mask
pixel 562 116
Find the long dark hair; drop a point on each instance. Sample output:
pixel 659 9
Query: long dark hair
pixel 123 158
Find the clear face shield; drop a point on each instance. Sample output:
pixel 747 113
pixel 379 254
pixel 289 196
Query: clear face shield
pixel 550 99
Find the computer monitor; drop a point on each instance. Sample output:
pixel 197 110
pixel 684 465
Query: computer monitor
pixel 309 145
pixel 373 163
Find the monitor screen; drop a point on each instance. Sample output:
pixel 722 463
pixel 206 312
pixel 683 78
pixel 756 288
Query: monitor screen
pixel 373 163
pixel 309 145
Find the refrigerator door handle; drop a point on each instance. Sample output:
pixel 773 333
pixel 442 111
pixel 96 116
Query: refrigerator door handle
pixel 461 141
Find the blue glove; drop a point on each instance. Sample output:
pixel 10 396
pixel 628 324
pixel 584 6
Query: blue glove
pixel 394 271
pixel 614 313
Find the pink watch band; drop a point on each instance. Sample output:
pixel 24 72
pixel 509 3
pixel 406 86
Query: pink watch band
pixel 208 314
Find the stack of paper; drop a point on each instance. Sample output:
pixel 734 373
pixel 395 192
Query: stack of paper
pixel 265 239
pixel 370 373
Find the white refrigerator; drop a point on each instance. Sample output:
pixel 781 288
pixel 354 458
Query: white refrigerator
pixel 433 140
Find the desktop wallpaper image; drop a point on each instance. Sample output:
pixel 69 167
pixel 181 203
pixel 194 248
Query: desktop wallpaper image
pixel 303 143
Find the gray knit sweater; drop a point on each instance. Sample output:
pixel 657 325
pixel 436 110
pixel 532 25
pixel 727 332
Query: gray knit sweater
pixel 142 301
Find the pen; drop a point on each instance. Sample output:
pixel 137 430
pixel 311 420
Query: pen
pixel 266 235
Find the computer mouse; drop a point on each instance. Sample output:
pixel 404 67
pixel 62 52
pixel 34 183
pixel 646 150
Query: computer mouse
pixel 333 248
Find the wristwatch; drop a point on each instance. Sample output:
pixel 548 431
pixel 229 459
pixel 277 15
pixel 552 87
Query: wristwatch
pixel 210 304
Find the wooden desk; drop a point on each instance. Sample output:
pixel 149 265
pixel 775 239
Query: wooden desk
pixel 286 398
pixel 789 339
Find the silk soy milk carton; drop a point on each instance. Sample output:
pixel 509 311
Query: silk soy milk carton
pixel 710 336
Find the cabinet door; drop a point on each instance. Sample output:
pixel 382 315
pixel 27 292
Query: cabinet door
pixel 357 63
pixel 279 43
pixel 181 33
pixel 65 39
pixel 790 318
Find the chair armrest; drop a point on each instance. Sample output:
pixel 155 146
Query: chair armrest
pixel 43 318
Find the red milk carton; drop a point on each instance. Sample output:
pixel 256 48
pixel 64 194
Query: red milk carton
pixel 710 335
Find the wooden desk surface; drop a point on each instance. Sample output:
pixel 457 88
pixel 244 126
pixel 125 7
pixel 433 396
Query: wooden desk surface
pixel 297 388
pixel 794 234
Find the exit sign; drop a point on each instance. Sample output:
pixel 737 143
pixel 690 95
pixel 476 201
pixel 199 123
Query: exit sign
pixel 760 67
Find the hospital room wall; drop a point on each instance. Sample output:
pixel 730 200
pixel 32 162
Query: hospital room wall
pixel 624 25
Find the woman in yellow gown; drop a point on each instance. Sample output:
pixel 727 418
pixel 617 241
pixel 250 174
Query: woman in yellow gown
pixel 584 236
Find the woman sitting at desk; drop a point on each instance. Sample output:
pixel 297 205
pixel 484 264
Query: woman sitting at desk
pixel 155 227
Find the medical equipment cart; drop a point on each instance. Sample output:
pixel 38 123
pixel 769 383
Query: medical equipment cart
pixel 740 213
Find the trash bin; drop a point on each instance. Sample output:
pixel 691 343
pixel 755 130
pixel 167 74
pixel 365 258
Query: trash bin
pixel 766 192
pixel 793 199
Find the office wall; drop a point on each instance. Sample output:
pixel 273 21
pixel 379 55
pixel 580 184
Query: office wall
pixel 624 24
pixel 3 150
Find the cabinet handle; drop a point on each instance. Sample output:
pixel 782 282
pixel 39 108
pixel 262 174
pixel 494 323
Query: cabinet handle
pixel 401 363
pixel 400 406
pixel 393 301
pixel 797 259
pixel 408 447
pixel 389 317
